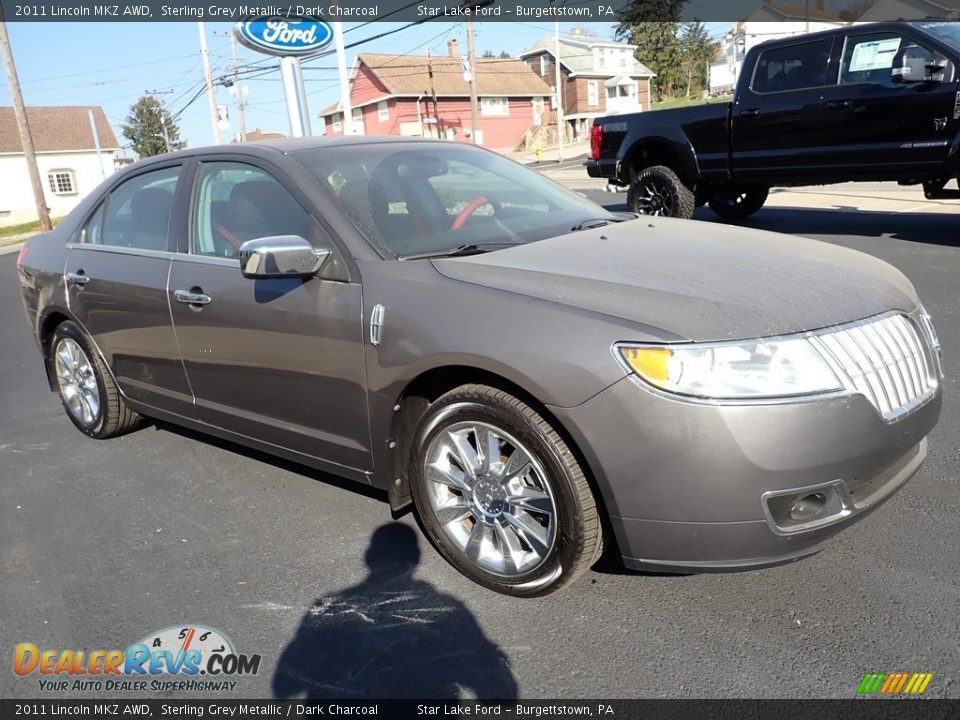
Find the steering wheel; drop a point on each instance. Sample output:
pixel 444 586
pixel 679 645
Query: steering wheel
pixel 470 209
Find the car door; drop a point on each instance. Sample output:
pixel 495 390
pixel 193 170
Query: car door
pixel 778 112
pixel 116 277
pixel 882 122
pixel 279 360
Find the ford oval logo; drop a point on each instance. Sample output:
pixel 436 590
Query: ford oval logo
pixel 284 36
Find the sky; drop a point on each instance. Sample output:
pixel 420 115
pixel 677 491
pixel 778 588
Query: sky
pixel 113 64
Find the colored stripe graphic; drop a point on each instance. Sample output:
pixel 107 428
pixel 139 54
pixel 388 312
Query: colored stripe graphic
pixel 894 683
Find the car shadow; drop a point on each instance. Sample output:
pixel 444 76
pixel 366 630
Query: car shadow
pixel 392 635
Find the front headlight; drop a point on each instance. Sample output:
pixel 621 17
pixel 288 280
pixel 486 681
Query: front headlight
pixel 744 370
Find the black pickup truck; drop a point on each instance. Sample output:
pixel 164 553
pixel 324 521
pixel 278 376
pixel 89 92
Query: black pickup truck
pixel 864 102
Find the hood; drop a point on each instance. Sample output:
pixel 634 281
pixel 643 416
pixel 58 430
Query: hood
pixel 699 281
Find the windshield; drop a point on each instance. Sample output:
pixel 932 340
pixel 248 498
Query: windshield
pixel 417 198
pixel 946 32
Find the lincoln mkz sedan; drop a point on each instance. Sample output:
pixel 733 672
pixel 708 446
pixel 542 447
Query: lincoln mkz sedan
pixel 538 377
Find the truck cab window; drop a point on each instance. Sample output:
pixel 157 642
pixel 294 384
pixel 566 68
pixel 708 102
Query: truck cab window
pixel 793 67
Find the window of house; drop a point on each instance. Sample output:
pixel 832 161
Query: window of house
pixel 383 111
pixel 593 93
pixel 793 67
pixel 543 65
pixel 597 58
pixel 62 182
pixel 625 58
pixel 137 213
pixel 338 123
pixel 235 202
pixel 357 115
pixel 494 106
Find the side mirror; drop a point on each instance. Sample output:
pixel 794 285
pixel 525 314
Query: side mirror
pixel 280 256
pixel 919 69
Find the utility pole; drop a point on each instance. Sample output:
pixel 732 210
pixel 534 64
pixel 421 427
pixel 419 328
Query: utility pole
pixel 557 80
pixel 433 93
pixel 238 90
pixel 472 60
pixel 235 87
pixel 158 96
pixel 211 97
pixel 26 140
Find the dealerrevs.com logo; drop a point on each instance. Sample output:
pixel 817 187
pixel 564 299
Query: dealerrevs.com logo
pixel 197 657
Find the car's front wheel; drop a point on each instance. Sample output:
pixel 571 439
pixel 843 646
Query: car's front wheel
pixel 86 388
pixel 500 494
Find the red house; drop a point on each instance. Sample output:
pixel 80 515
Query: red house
pixel 423 96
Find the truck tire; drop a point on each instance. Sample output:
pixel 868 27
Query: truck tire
pixel 658 191
pixel 736 205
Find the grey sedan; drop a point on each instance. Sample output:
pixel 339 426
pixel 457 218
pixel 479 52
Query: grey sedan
pixel 540 379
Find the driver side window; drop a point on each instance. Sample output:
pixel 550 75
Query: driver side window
pixel 871 58
pixel 235 202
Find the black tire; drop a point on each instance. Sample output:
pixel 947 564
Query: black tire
pixel 658 191
pixel 577 538
pixel 112 416
pixel 737 205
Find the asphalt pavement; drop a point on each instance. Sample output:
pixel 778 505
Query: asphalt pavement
pixel 103 543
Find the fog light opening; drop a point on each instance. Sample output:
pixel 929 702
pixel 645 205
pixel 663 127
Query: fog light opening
pixel 809 507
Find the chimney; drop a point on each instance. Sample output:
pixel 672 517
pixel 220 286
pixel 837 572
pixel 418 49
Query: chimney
pixel 576 31
pixel 453 48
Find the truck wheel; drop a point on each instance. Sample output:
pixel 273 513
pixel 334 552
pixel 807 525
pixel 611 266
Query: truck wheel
pixel 658 191
pixel 733 205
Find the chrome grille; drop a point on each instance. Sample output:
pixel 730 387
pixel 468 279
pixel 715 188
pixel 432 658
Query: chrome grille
pixel 885 359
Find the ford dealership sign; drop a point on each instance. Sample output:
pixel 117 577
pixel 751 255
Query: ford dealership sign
pixel 284 36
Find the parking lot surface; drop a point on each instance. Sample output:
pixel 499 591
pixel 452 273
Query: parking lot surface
pixel 105 543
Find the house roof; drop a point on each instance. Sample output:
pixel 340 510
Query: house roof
pixel 886 10
pixel 576 54
pixel 57 129
pixel 410 75
pixel 799 11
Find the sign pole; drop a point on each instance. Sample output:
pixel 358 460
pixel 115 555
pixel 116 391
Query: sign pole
pixel 344 79
pixel 291 74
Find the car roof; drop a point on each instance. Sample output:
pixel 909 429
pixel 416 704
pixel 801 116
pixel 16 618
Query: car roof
pixel 282 146
pixel 880 26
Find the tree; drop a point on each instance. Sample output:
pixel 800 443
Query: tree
pixel 487 54
pixel 659 49
pixel 504 55
pixel 149 127
pixel 698 52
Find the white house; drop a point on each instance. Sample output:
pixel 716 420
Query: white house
pixel 770 21
pixel 66 156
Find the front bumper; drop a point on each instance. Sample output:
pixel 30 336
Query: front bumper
pixel 684 483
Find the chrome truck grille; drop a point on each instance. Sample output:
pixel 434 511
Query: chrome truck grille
pixel 886 359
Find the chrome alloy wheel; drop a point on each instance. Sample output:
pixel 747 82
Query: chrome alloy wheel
pixel 491 497
pixel 77 381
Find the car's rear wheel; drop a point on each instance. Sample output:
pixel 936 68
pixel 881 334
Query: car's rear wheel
pixel 738 204
pixel 658 191
pixel 87 390
pixel 500 494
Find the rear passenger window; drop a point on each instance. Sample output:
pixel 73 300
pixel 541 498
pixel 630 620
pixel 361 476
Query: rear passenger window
pixel 235 202
pixel 137 213
pixel 793 67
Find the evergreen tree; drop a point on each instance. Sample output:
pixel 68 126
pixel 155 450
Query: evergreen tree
pixel 145 128
pixel 659 49
pixel 698 51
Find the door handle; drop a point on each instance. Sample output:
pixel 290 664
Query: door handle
pixel 191 298
pixel 78 278
pixel 837 104
pixel 750 112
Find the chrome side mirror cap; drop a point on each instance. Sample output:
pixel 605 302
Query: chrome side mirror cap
pixel 280 256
